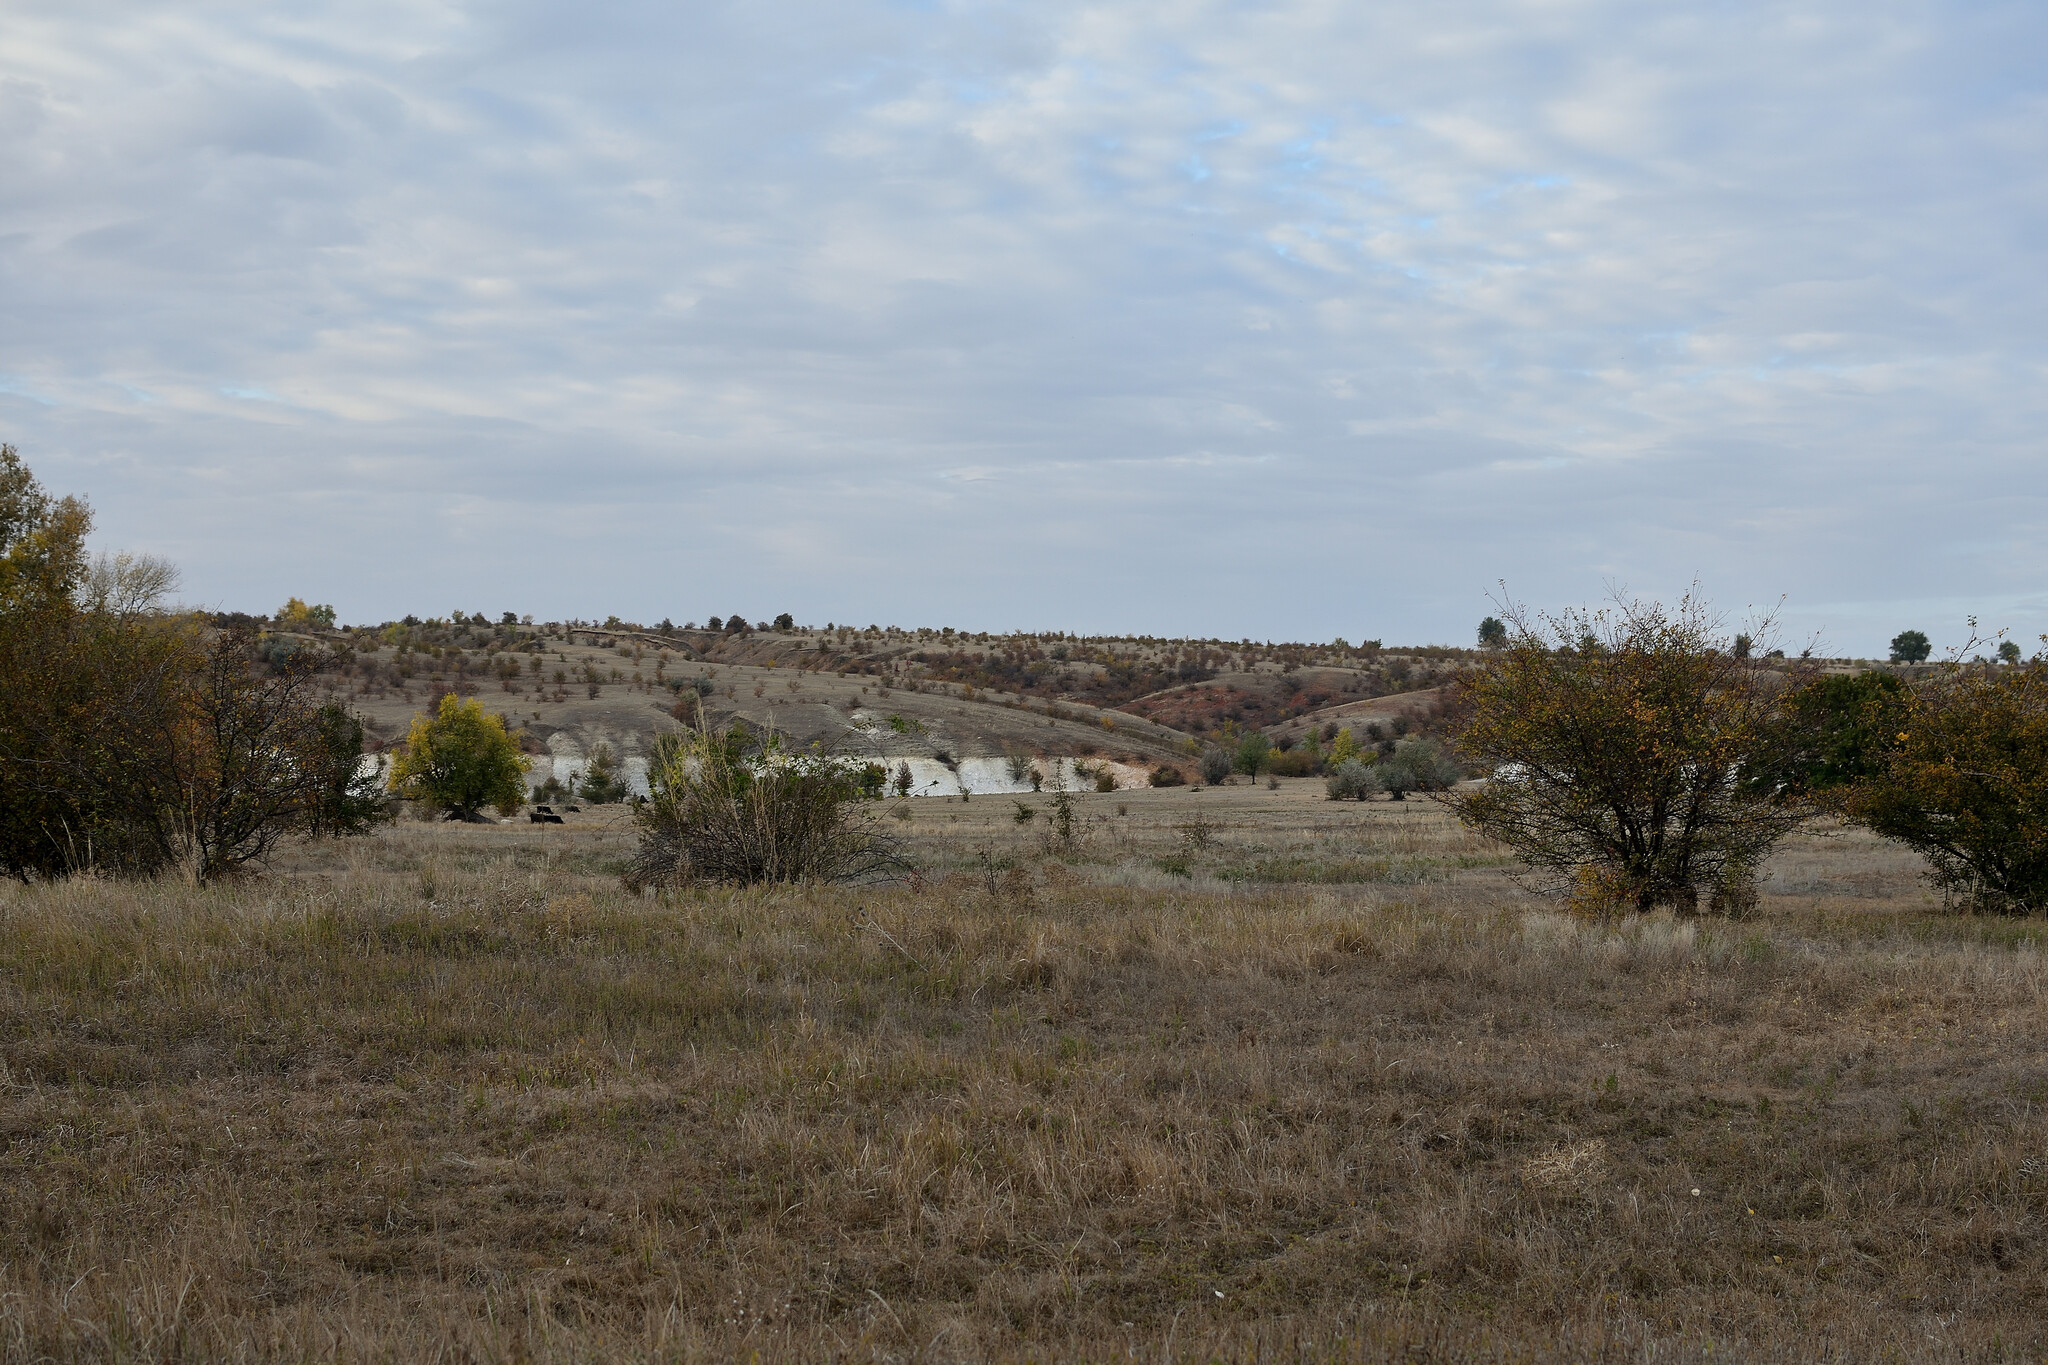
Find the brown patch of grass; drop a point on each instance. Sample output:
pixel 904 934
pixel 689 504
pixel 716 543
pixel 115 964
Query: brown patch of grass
pixel 454 1091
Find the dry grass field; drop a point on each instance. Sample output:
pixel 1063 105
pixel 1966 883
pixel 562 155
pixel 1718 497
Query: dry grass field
pixel 1241 1074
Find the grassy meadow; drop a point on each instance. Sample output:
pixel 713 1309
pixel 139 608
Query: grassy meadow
pixel 1239 1074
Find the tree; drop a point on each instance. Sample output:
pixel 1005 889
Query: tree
pixel 1911 647
pixel 460 761
pixel 1964 782
pixel 1622 766
pixel 785 622
pixel 1740 649
pixel 1343 747
pixel 903 779
pixel 2008 652
pixel 136 740
pixel 604 780
pixel 1216 765
pixel 1492 633
pixel 1254 751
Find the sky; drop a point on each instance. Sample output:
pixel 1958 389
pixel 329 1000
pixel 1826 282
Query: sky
pixel 1286 320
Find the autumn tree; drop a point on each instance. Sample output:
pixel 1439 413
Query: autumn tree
pixel 460 760
pixel 135 740
pixel 1963 780
pixel 1620 743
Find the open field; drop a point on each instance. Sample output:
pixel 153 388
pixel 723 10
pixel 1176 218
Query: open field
pixel 1242 1073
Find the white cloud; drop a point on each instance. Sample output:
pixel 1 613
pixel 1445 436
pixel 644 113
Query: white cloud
pixel 1304 318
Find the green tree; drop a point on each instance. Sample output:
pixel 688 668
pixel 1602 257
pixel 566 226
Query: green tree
pixel 2008 652
pixel 1837 729
pixel 1492 633
pixel 1911 647
pixel 1254 751
pixel 460 761
pixel 785 622
pixel 604 780
pixel 1624 766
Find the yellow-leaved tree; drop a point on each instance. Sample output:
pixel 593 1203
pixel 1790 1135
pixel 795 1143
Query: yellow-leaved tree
pixel 461 760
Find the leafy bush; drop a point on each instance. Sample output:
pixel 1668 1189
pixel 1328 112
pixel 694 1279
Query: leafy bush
pixel 1352 780
pixel 1216 765
pixel 1623 748
pixel 1254 751
pixel 730 806
pixel 1301 762
pixel 1965 783
pixel 1166 775
pixel 1417 765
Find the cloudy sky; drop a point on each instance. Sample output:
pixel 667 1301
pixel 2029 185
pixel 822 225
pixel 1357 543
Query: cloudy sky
pixel 1292 319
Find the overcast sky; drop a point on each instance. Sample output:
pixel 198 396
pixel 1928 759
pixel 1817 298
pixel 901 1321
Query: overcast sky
pixel 1290 320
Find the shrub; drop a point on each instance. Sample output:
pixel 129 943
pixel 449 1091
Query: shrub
pixel 1294 763
pixel 1166 775
pixel 1965 783
pixel 1352 780
pixel 1417 765
pixel 460 761
pixel 1105 781
pixel 730 806
pixel 1623 748
pixel 1216 765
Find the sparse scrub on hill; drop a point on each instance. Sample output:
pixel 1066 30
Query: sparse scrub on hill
pixel 737 806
